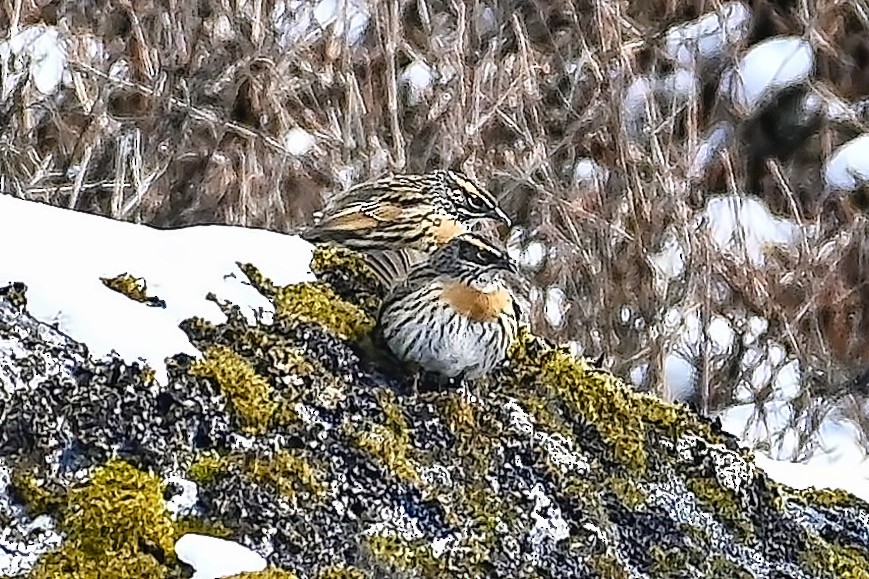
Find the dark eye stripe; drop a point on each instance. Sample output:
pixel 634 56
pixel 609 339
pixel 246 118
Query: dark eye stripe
pixel 471 189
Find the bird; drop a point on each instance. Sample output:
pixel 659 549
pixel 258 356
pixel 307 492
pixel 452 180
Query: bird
pixel 454 315
pixel 395 222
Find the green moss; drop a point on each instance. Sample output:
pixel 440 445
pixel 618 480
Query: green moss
pixel 125 563
pixel 394 418
pixel 342 572
pixel 317 303
pixel 384 445
pixel 607 567
pixel 834 561
pixel 328 259
pixel 723 503
pixel 621 416
pixel 32 492
pixel 458 413
pixel 289 473
pixel 186 525
pixel 270 573
pixel 720 566
pixel 627 491
pixel 134 288
pixel 406 557
pixel 834 498
pixel 595 397
pixel 249 393
pixel 388 442
pixel 113 524
pixel 206 467
pixel 667 562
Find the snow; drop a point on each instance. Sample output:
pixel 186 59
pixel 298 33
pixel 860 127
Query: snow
pixel 743 227
pixel 555 306
pixel 766 69
pixel 668 92
pixel 713 142
pixel 588 172
pixel 304 21
pixel 61 256
pixel 848 167
pixel 298 141
pixel 838 463
pixel 418 77
pixel 708 38
pixel 212 557
pixel 38 49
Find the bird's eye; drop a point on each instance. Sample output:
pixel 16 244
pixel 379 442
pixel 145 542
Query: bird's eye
pixel 476 203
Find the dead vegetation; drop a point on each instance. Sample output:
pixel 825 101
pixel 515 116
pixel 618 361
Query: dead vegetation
pixel 176 113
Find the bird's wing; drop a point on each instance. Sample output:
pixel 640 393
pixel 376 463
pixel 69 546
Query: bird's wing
pixel 360 217
pixel 391 267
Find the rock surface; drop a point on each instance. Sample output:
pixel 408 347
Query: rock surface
pixel 296 440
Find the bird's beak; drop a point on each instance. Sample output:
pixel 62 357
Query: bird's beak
pixel 510 265
pixel 503 217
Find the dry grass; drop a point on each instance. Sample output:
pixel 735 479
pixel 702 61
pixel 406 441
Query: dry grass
pixel 182 121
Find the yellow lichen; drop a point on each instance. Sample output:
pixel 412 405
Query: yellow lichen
pixel 132 287
pixel 403 556
pixel 249 393
pixel 113 525
pixel 621 416
pixel 723 503
pixel 833 561
pixel 270 573
pixel 317 303
pixel 289 473
pixel 596 397
pixel 342 572
pixel 383 444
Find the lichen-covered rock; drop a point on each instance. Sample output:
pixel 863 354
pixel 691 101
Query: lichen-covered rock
pixel 303 442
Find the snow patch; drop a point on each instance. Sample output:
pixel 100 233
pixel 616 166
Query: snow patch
pixel 418 78
pixel 848 168
pixel 38 51
pixel 710 37
pixel 766 69
pixel 180 266
pixel 744 228
pixel 298 141
pixel 213 557
pixel 304 21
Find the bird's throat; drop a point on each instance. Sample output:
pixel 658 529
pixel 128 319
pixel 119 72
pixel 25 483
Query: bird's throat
pixel 480 306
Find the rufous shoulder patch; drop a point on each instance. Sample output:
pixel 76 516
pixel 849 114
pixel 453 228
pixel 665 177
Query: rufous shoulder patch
pixel 447 229
pixel 349 222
